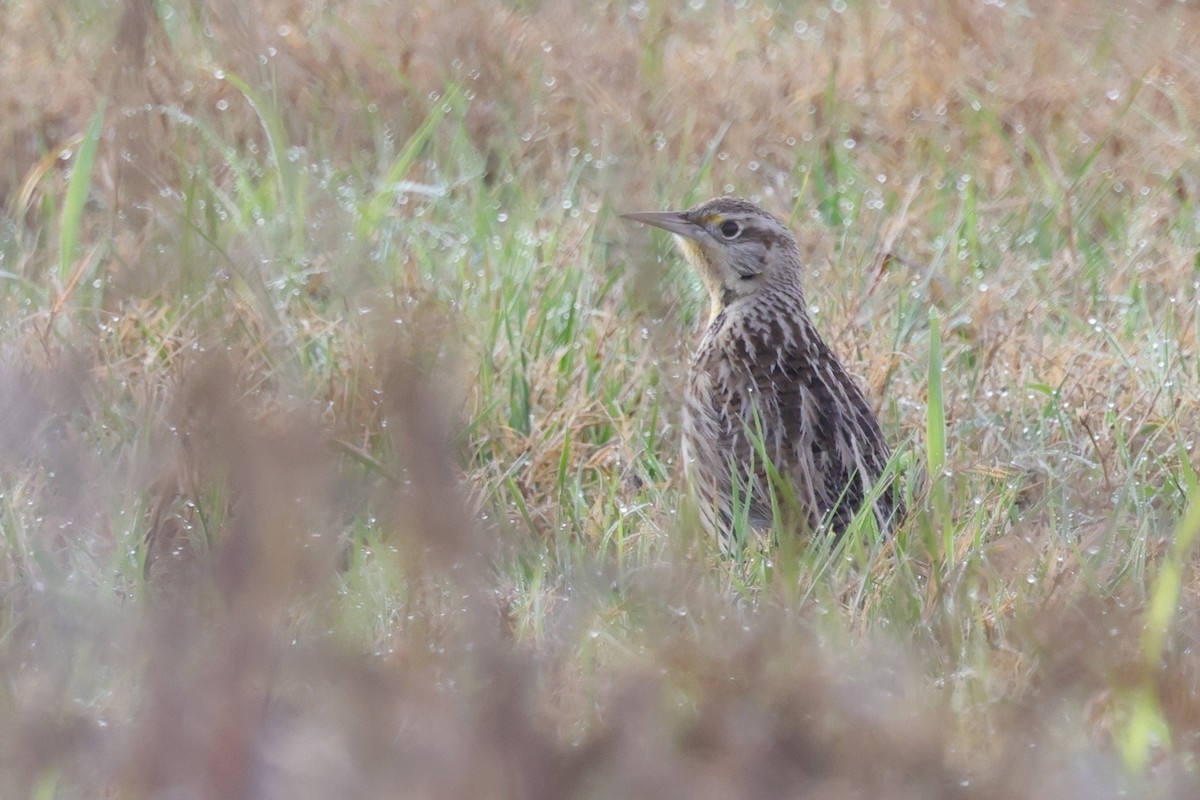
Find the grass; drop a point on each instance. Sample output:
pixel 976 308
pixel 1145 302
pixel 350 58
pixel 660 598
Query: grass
pixel 339 412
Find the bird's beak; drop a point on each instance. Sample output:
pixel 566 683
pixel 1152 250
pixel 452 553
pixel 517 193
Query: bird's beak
pixel 673 221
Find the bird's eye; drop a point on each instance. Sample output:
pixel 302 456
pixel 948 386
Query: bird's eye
pixel 730 229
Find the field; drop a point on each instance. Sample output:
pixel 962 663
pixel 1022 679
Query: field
pixel 339 410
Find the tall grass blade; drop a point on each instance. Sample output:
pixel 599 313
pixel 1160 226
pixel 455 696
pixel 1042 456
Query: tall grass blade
pixel 1147 727
pixel 78 188
pixel 378 204
pixel 290 199
pixel 935 438
pixel 935 414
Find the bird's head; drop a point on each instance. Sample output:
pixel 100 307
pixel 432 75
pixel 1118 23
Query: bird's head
pixel 738 249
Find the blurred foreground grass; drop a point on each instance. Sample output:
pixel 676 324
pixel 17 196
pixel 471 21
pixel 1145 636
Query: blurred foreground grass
pixel 338 413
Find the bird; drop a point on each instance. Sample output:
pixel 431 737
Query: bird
pixel 773 425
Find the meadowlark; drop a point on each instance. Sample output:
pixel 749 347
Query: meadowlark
pixel 771 418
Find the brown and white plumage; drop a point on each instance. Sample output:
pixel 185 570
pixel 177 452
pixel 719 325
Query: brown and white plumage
pixel 763 383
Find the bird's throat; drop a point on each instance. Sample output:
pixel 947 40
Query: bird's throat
pixel 720 295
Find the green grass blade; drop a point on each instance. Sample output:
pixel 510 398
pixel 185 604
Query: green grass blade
pixel 288 176
pixel 78 188
pixel 1147 727
pixel 935 440
pixel 378 204
pixel 935 414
